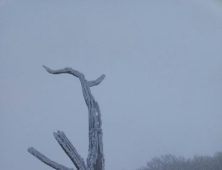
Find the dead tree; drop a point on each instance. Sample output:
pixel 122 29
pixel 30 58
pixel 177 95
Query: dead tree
pixel 95 160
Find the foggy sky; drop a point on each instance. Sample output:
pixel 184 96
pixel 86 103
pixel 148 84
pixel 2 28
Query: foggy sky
pixel 162 92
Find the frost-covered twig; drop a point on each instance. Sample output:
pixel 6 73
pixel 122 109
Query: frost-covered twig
pixel 70 150
pixel 46 160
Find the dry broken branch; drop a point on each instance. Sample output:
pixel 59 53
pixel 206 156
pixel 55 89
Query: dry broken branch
pixel 46 160
pixel 70 150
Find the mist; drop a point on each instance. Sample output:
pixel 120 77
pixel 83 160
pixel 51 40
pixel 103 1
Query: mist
pixel 161 95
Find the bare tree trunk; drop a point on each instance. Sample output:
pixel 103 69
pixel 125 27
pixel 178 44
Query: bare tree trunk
pixel 95 160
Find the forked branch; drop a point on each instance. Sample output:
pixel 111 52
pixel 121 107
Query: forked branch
pixel 76 74
pixel 95 159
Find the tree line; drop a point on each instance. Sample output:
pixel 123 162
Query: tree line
pixel 171 162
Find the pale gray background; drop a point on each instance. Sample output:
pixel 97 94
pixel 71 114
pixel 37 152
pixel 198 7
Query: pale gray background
pixel 162 93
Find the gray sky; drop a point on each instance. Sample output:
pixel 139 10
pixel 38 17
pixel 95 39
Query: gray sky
pixel 162 92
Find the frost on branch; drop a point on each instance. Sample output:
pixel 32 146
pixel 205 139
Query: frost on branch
pixel 46 160
pixel 95 159
pixel 70 150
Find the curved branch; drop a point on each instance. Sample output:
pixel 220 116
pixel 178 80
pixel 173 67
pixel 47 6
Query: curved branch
pixel 65 70
pixel 46 160
pixel 76 74
pixel 97 81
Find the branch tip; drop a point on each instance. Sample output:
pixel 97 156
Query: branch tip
pixel 97 81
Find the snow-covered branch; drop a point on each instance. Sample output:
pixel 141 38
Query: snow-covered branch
pixel 97 81
pixel 76 74
pixel 70 150
pixel 46 160
pixel 64 70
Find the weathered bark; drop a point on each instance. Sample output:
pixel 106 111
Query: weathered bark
pixel 95 160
